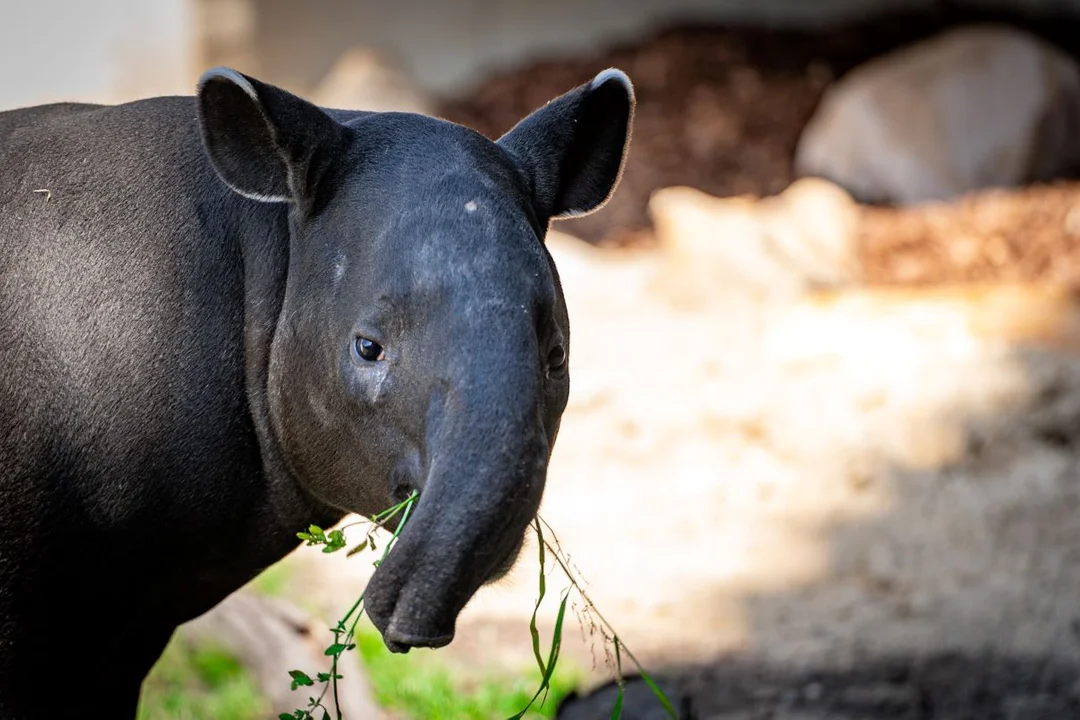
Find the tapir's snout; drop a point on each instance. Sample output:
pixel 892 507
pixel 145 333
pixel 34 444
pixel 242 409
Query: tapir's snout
pixel 483 488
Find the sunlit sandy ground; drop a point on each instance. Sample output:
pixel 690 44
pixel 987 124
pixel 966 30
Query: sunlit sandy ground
pixel 802 482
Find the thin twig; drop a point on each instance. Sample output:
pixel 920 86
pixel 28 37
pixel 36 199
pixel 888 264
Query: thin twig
pixel 620 646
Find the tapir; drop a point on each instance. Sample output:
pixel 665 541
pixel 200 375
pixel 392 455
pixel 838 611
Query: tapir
pixel 226 317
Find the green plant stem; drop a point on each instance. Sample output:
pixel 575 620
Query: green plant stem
pixel 378 521
pixel 556 550
pixel 356 612
pixel 408 505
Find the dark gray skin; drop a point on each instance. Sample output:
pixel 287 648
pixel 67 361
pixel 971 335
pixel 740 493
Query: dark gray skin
pixel 226 317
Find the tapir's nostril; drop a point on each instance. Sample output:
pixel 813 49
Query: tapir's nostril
pixel 406 480
pixel 404 486
pixel 403 490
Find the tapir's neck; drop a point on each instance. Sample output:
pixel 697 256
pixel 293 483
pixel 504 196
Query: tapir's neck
pixel 266 267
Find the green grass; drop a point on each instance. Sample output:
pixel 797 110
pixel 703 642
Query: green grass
pixel 207 683
pixel 420 685
pixel 200 683
pixel 273 581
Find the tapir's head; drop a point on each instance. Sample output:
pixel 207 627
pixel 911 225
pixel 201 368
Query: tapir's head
pixel 423 338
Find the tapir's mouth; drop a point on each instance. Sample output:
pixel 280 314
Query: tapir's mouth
pixel 399 641
pixel 406 615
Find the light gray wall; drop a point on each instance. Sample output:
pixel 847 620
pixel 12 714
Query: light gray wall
pixel 90 50
pixel 112 50
pixel 448 43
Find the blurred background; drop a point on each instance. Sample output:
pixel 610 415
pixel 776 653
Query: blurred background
pixel 820 455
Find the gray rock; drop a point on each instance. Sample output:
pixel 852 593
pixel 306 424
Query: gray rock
pixel 270 637
pixel 981 106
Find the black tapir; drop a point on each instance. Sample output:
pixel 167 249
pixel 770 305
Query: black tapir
pixel 228 316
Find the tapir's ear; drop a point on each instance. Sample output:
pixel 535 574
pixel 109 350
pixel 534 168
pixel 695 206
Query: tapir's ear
pixel 265 143
pixel 575 146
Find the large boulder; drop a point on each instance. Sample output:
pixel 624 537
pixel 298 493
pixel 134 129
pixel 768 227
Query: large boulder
pixel 980 106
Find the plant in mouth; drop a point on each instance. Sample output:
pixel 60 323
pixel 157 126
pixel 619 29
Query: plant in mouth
pixel 345 630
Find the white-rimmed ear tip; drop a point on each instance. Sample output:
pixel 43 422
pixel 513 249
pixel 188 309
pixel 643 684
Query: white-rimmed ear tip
pixel 227 74
pixel 606 76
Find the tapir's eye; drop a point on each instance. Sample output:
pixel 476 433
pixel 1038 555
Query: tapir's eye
pixel 556 358
pixel 367 350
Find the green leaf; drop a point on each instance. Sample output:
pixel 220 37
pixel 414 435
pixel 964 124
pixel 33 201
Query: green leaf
pixel 616 712
pixel 553 658
pixel 540 597
pixel 657 692
pixel 338 648
pixel 300 678
pixel 287 716
pixel 317 532
pixel 556 644
pixel 327 677
pixel 325 714
pixel 358 549
pixel 335 541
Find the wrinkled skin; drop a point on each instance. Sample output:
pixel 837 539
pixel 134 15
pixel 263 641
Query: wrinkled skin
pixel 239 314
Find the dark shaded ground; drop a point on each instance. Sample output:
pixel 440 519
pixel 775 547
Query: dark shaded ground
pixel 944 687
pixel 721 109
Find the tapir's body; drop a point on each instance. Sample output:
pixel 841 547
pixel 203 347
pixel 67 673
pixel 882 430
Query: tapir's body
pixel 224 318
pixel 127 446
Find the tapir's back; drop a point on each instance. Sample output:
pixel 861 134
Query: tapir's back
pixel 121 303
